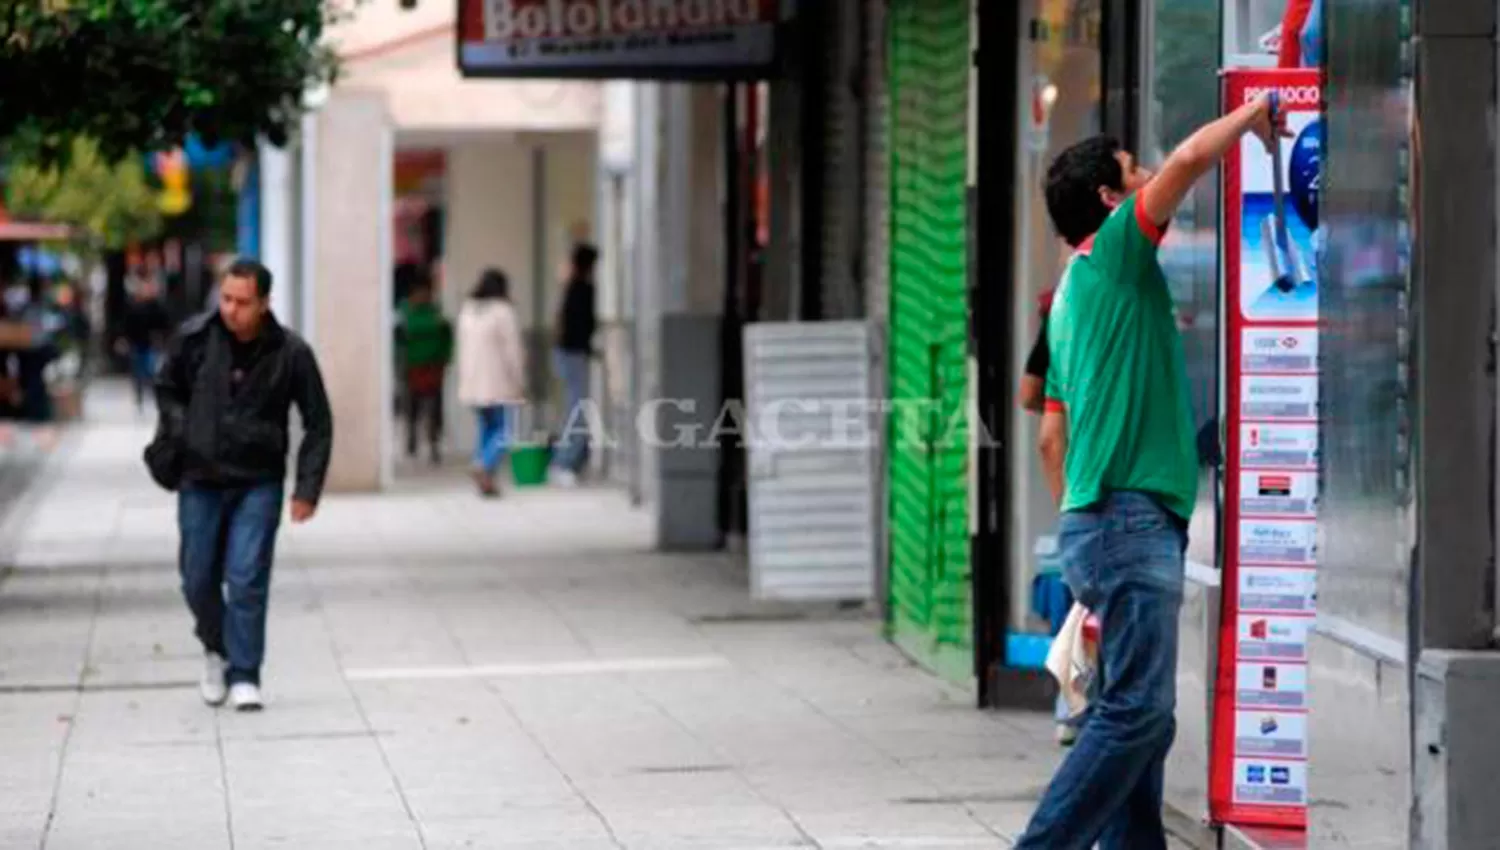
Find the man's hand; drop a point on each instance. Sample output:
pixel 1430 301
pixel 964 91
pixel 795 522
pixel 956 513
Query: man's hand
pixel 1267 124
pixel 303 511
pixel 1201 152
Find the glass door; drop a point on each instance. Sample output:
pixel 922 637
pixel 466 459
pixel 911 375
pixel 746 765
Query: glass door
pixel 1060 102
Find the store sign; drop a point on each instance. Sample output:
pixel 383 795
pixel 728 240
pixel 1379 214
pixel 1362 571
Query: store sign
pixel 657 39
pixel 1260 742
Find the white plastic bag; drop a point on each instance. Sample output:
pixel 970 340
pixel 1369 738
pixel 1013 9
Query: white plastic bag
pixel 1073 659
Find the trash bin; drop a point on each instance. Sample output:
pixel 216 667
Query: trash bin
pixel 528 465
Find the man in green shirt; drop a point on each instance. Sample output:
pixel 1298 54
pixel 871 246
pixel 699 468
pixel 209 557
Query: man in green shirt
pixel 1119 451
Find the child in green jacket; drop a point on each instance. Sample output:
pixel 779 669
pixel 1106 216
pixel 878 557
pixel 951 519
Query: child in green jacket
pixel 425 341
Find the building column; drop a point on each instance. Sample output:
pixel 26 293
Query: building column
pixel 691 294
pixel 1457 676
pixel 350 322
pixel 276 221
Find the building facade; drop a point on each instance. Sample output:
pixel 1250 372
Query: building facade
pixel 887 169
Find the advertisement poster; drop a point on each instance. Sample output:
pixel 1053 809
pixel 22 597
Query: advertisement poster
pixel 1271 734
pixel 1289 351
pixel 1270 685
pixel 1271 446
pixel 648 39
pixel 1278 542
pixel 1271 783
pixel 1269 637
pixel 1272 238
pixel 1272 590
pixel 1274 493
pixel 1279 398
pixel 1278 251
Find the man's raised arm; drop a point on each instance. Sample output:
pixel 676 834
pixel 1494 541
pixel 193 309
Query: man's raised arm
pixel 1203 150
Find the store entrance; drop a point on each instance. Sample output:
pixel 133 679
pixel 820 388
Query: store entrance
pixel 1051 73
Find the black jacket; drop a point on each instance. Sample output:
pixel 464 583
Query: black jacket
pixel 146 323
pixel 240 438
pixel 577 321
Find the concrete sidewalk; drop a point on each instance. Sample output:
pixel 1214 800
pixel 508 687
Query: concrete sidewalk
pixel 445 672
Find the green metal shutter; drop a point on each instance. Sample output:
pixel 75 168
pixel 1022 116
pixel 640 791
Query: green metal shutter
pixel 930 614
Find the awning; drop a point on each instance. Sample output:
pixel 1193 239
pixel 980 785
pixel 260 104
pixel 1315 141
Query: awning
pixel 28 231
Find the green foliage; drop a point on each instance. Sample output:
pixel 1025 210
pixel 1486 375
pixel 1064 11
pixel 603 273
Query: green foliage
pixel 112 203
pixel 142 74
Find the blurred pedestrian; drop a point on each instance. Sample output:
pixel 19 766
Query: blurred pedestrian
pixel 45 323
pixel 576 324
pixel 224 392
pixel 425 340
pixel 144 332
pixel 491 371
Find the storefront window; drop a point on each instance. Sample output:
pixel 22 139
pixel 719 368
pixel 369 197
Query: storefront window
pixel 1366 429
pixel 1060 100
pixel 1181 92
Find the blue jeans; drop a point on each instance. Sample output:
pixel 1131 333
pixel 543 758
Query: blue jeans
pixel 573 442
pixel 1124 561
pixel 228 543
pixel 142 371
pixel 490 446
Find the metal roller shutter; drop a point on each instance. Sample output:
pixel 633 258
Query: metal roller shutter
pixel 812 474
pixel 930 615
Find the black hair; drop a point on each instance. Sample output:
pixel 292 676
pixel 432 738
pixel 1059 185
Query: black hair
pixel 492 284
pixel 1073 183
pixel 585 257
pixel 246 267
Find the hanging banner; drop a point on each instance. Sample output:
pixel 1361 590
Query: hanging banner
pixel 1258 771
pixel 648 39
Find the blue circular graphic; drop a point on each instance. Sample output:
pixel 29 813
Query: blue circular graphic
pixel 1303 175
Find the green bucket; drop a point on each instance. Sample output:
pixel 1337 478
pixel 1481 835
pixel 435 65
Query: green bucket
pixel 528 465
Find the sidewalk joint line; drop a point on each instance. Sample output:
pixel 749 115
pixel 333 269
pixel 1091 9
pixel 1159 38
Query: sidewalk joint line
pixel 83 671
pixel 687 663
pixel 359 707
pixel 488 684
pixel 224 779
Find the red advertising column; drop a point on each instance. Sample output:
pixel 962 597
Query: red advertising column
pixel 1271 236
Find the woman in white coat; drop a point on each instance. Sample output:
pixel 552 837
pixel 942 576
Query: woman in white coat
pixel 491 371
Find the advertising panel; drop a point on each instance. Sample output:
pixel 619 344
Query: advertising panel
pixel 1258 773
pixel 646 39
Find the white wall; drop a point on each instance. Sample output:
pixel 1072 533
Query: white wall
pixel 277 248
pixel 490 215
pixel 427 93
pixel 488 218
pixel 570 205
pixel 365 26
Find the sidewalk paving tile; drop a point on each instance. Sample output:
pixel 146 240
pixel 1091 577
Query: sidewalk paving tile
pixel 444 672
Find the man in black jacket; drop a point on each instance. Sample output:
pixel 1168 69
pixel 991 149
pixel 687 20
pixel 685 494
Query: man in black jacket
pixel 145 328
pixel 224 391
pixel 575 348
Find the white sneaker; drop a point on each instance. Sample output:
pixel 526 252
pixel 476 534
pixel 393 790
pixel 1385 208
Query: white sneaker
pixel 565 478
pixel 244 696
pixel 211 687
